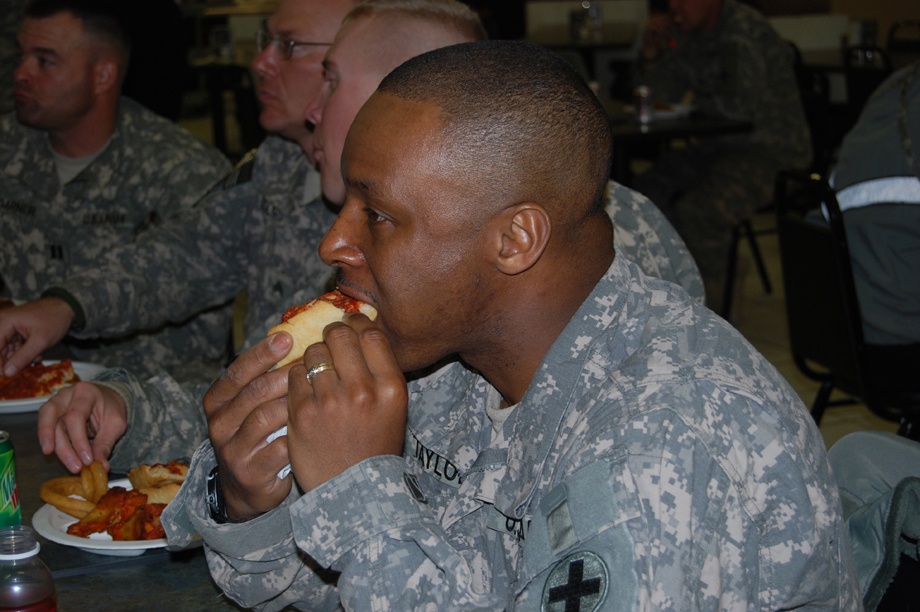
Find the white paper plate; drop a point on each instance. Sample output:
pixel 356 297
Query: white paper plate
pixel 52 524
pixel 86 371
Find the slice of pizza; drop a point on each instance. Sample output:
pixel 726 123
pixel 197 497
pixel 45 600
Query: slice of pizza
pixel 38 380
pixel 158 475
pixel 306 322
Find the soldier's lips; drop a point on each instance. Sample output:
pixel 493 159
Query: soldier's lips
pixel 356 293
pixel 21 97
pixel 266 96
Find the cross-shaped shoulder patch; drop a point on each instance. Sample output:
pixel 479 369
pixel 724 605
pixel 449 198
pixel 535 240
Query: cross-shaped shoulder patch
pixel 577 583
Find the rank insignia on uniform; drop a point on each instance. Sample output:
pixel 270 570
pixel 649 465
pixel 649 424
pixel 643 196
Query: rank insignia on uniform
pixel 578 583
pixel 415 490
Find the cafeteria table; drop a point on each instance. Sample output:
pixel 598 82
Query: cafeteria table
pixel 156 579
pixel 631 136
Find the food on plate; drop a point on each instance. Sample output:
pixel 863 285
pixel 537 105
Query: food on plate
pixel 125 514
pixel 113 512
pixel 306 322
pixel 142 525
pixel 95 481
pixel 161 495
pixel 38 380
pixel 158 475
pixel 90 485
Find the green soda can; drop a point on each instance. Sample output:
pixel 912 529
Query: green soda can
pixel 10 514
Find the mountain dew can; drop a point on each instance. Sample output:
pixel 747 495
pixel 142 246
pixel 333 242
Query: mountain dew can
pixel 10 514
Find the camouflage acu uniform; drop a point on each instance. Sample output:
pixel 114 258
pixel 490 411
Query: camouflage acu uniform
pixel 260 233
pixel 742 70
pixel 642 234
pixel 150 171
pixel 656 461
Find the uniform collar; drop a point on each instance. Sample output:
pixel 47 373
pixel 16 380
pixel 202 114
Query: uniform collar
pixel 110 157
pixel 536 423
pixel 453 399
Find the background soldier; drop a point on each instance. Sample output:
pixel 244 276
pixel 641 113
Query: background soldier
pixel 83 171
pixel 728 59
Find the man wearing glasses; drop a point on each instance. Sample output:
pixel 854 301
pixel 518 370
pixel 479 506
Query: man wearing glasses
pixel 259 233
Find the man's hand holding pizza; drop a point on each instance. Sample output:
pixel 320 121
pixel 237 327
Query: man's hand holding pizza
pixel 243 407
pixel 348 412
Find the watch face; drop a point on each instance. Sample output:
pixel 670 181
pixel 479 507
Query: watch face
pixel 214 499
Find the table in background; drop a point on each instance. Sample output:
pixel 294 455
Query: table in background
pixel 629 134
pixel 86 581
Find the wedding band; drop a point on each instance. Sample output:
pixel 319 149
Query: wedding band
pixel 320 367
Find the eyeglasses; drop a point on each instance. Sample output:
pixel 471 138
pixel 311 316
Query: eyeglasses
pixel 283 45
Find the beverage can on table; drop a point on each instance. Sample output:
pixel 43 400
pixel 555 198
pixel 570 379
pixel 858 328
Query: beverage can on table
pixel 10 514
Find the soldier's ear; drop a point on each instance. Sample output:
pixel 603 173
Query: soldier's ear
pixel 105 75
pixel 524 233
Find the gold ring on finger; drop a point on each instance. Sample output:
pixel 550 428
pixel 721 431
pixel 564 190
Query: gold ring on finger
pixel 320 367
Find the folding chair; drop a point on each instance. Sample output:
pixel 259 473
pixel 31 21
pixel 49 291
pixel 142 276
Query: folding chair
pixel 825 326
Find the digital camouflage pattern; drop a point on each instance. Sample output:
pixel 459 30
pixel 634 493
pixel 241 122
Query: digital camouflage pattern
pixel 656 461
pixel 151 171
pixel 643 235
pixel 743 70
pixel 260 232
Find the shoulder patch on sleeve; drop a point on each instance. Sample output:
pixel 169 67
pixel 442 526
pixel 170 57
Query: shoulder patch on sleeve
pixel 578 582
pixel 579 552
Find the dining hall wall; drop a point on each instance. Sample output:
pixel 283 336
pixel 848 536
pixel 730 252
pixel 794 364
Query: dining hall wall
pixel 886 12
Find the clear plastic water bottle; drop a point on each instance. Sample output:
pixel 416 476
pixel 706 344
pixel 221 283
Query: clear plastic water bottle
pixel 25 582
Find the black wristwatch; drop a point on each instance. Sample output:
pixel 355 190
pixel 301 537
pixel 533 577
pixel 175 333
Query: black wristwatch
pixel 215 500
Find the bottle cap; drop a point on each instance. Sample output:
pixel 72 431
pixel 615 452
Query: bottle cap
pixel 18 542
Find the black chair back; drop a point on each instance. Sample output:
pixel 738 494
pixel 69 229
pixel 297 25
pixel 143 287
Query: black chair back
pixel 822 309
